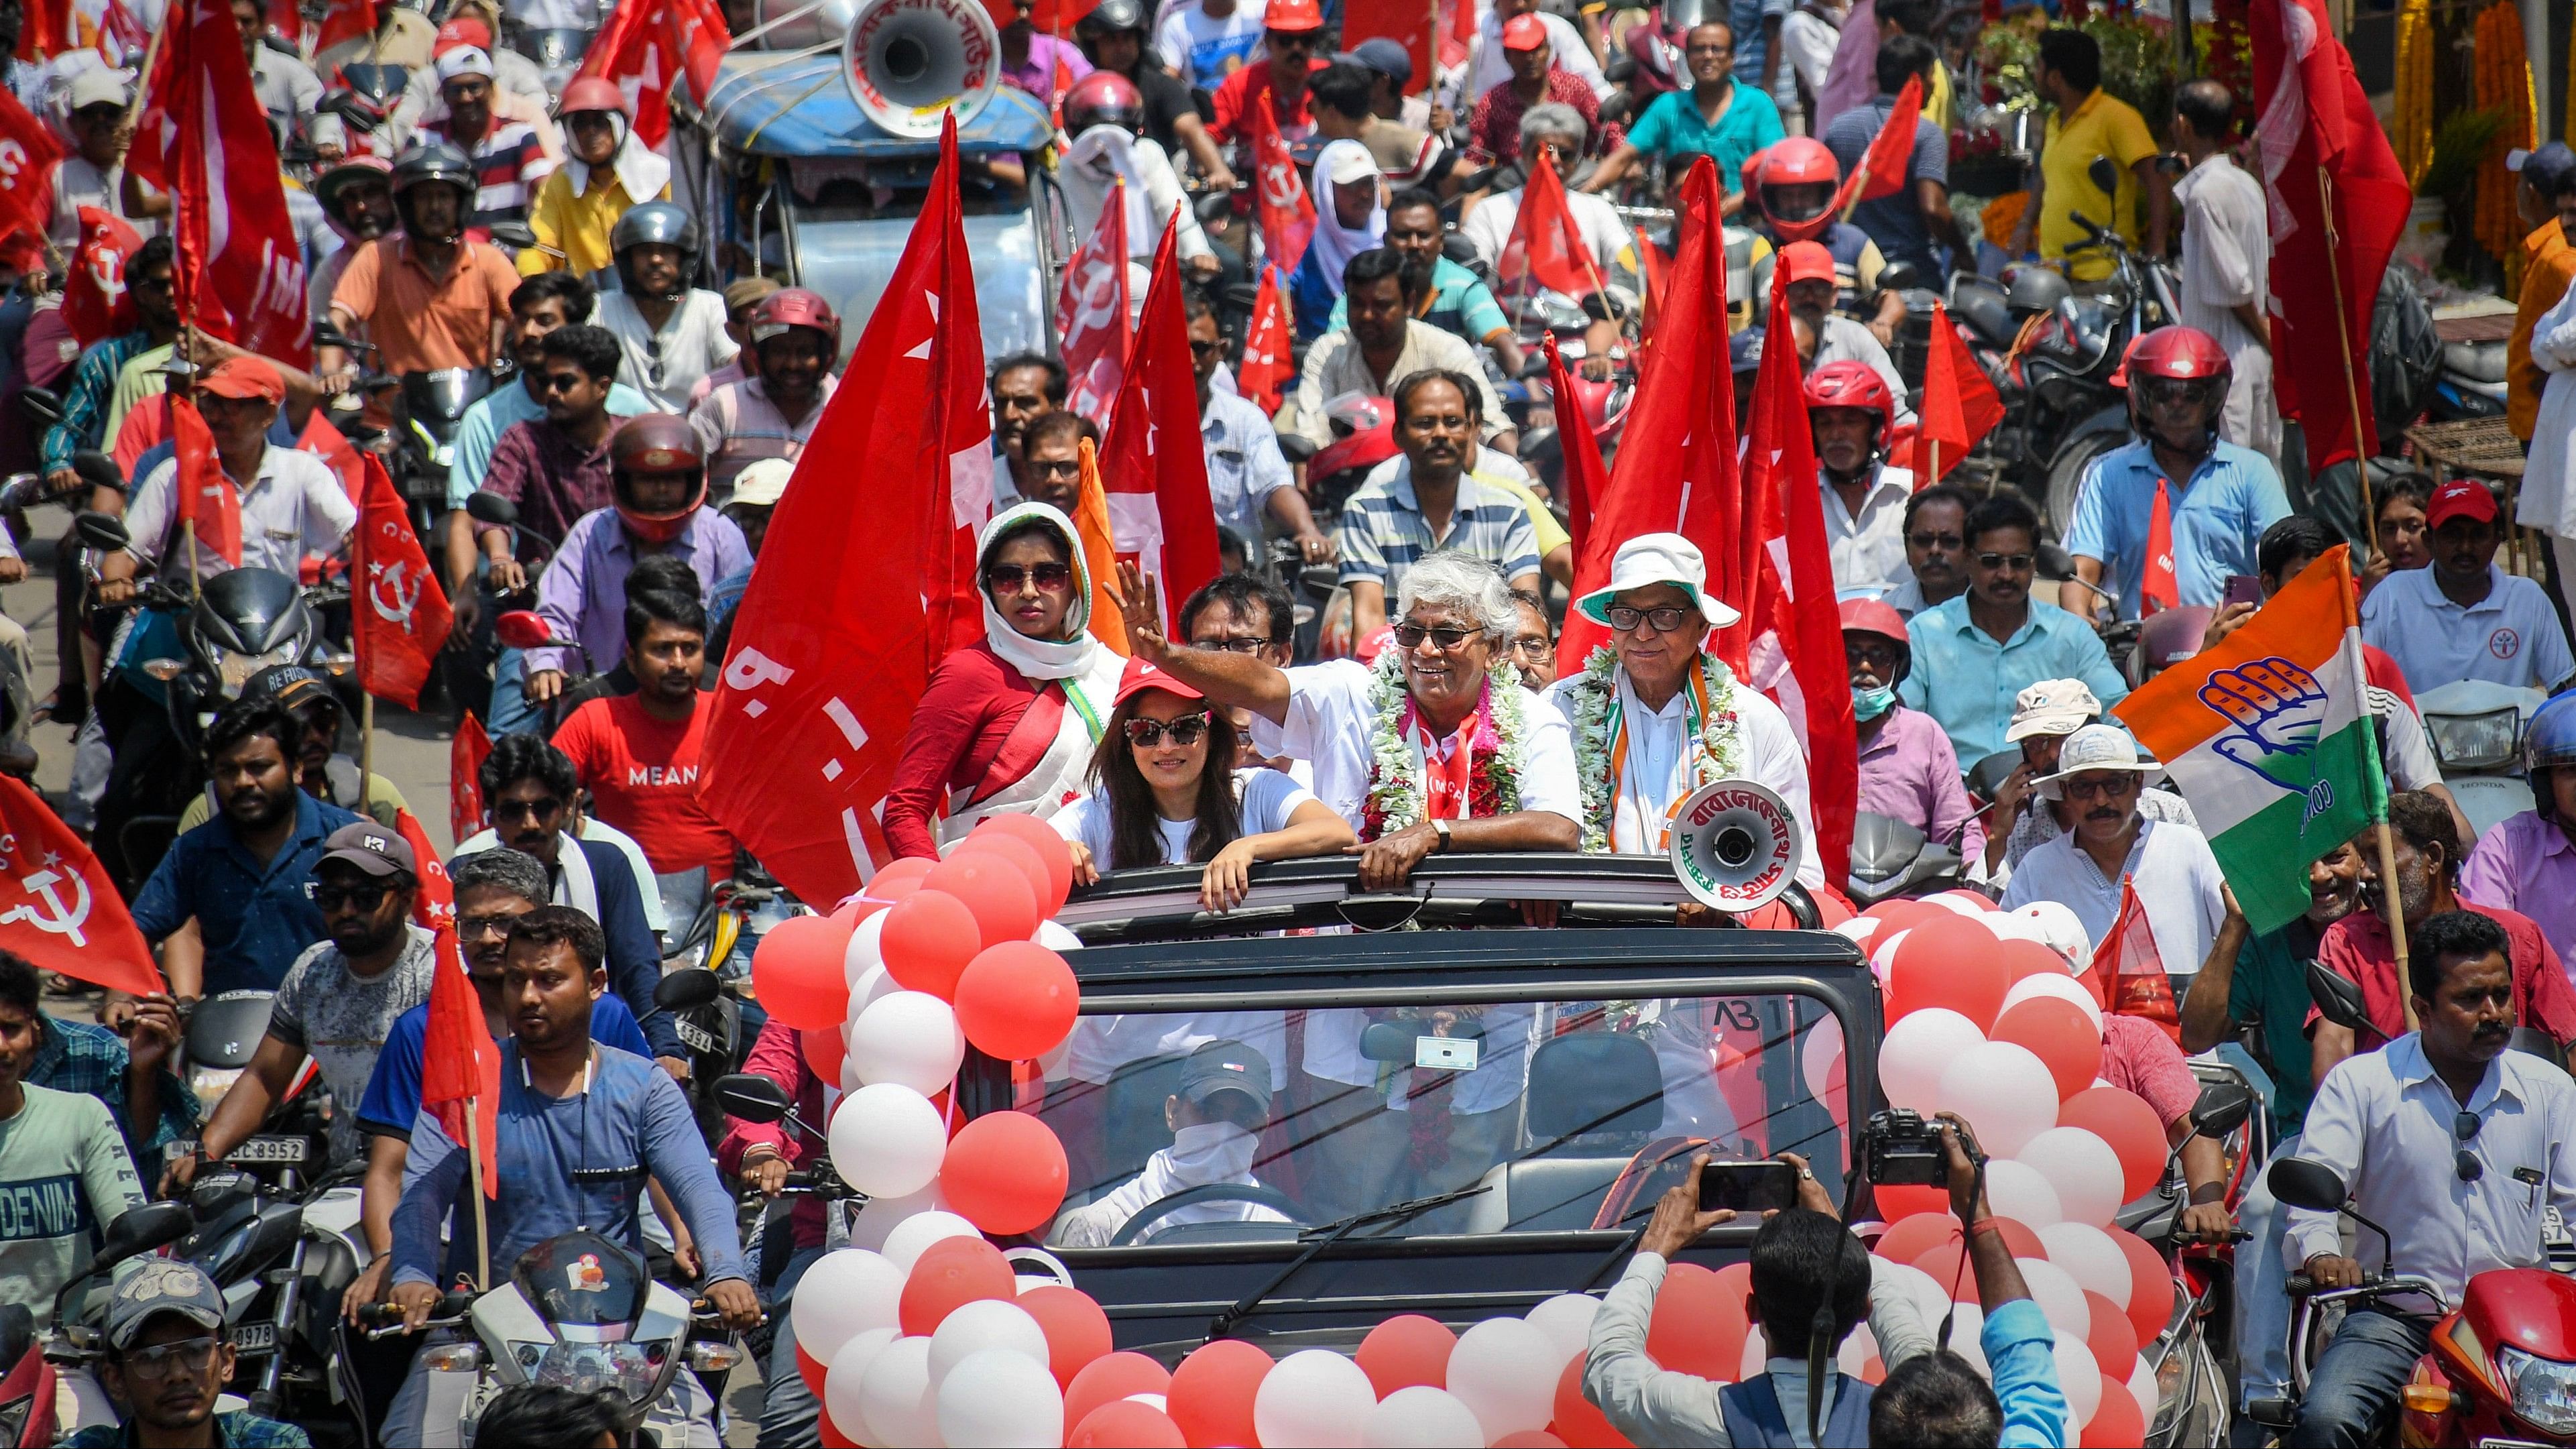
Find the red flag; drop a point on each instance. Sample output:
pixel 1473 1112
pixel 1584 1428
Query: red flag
pixel 1091 307
pixel 1959 404
pixel 2128 972
pixel 644 48
pixel 1406 22
pixel 1586 480
pixel 206 496
pixel 1891 153
pixel 343 20
pixel 333 447
pixel 47 30
pixel 2158 588
pixel 460 1067
pixel 829 661
pixel 399 618
pixel 204 138
pixel 1457 39
pixel 465 756
pixel 1545 243
pixel 28 151
pixel 1651 258
pixel 1267 367
pixel 57 906
pixel 1152 459
pixel 95 304
pixel 1280 203
pixel 2338 204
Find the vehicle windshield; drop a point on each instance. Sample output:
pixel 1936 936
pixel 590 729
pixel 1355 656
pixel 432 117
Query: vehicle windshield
pixel 1196 1127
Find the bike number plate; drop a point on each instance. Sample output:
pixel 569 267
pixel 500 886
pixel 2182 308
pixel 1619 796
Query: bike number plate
pixel 254 1338
pixel 1445 1053
pixel 287 1150
pixel 695 1037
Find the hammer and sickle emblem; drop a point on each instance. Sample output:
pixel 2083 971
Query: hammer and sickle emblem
pixel 55 919
pixel 391 599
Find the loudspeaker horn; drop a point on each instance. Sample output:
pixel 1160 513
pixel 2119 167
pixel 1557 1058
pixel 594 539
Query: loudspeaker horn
pixel 1735 845
pixel 906 61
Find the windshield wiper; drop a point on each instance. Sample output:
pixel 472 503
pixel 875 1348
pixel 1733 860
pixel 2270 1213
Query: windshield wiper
pixel 1326 1236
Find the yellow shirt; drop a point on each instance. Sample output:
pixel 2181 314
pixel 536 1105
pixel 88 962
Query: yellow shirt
pixel 1551 534
pixel 1936 106
pixel 2102 126
pixel 572 231
pixel 2548 264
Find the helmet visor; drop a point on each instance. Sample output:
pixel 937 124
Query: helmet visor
pixel 1805 201
pixel 2179 403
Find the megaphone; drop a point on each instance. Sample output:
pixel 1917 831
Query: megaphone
pixel 907 61
pixel 1735 845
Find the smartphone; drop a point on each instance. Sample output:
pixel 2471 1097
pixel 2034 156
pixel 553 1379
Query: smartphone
pixel 2242 589
pixel 1747 1187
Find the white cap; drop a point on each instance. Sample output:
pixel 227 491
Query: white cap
pixel 762 484
pixel 464 60
pixel 2096 747
pixel 1657 558
pixel 2052 707
pixel 1352 164
pixel 98 86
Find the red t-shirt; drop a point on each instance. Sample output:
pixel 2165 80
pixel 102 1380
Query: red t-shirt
pixel 643 774
pixel 2357 947
pixel 1250 86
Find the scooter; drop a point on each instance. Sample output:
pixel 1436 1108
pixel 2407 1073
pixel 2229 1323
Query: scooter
pixel 1890 858
pixel 2476 728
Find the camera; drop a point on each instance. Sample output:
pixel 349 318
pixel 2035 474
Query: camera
pixel 1904 1150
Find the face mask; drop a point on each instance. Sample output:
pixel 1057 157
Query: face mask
pixel 1869 704
pixel 1212 1152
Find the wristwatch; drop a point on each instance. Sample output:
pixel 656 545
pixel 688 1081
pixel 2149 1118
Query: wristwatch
pixel 1440 828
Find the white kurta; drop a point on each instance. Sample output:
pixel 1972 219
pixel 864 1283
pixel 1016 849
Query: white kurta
pixel 1331 722
pixel 2227 263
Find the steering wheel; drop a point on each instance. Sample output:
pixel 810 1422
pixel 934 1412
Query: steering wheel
pixel 1251 1192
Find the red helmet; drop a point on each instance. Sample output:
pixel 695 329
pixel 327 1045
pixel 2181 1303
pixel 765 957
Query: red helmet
pixel 656 443
pixel 1874 616
pixel 1851 383
pixel 1104 98
pixel 2174 364
pixel 593 93
pixel 795 307
pixel 1798 162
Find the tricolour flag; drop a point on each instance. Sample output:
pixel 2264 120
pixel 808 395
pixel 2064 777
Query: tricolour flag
pixel 2268 735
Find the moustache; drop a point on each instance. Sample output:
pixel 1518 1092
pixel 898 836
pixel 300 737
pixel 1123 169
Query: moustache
pixel 2104 814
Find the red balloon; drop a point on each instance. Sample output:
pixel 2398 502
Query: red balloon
pixel 1033 865
pixel 928 938
pixel 857 908
pixel 1698 1325
pixel 1406 1350
pixel 909 868
pixel 833 1438
pixel 1529 1439
pixel 1899 1201
pixel 1041 837
pixel 2028 958
pixel 2112 1337
pixel 1017 1001
pixel 1125 1425
pixel 824 1048
pixel 796 971
pixel 1947 1261
pixel 2118 1422
pixel 1577 1422
pixel 1211 1393
pixel 893 891
pixel 1077 1332
pixel 1947 960
pixel 1894 916
pixel 1909 1238
pixel 1112 1377
pixel 949 1273
pixel 2123 1119
pixel 1005 1173
pixel 811 1370
pixel 2059 1033
pixel 2151 1285
pixel 1970 898
pixel 1005 905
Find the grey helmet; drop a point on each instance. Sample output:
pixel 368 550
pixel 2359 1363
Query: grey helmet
pixel 439 163
pixel 655 223
pixel 2035 289
pixel 1109 17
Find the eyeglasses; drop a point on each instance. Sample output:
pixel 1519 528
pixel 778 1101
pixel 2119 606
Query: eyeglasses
pixel 1665 621
pixel 542 808
pixel 1534 647
pixel 1936 540
pixel 187 1356
pixel 1050 577
pixel 1445 636
pixel 1235 644
pixel 2111 789
pixel 1204 346
pixel 365 897
pixel 1061 468
pixel 2465 1127
pixel 1185 730
pixel 2014 562
pixel 472 928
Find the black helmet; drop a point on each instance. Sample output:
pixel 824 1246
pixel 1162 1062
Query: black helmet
pixel 1109 17
pixel 440 163
pixel 655 223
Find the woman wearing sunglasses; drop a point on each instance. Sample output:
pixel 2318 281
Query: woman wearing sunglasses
pixel 1155 801
pixel 1010 722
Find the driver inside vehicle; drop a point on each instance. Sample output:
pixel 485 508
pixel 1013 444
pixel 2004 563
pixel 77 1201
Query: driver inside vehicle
pixel 1215 1116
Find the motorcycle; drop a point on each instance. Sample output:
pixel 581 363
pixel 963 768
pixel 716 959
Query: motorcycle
pixel 557 51
pixel 431 412
pixel 51 1384
pixel 2476 728
pixel 1890 858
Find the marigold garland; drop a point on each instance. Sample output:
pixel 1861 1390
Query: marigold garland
pixel 2503 85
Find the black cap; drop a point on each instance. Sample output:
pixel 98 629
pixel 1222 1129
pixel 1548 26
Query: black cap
pixel 291 685
pixel 1226 1066
pixel 2551 169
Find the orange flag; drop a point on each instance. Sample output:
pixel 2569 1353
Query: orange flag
pixel 1959 404
pixel 1099 554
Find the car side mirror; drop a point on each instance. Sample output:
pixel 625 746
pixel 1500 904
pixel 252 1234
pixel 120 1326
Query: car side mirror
pixel 680 990
pixel 2338 998
pixel 2305 1184
pixel 750 1096
pixel 2222 1108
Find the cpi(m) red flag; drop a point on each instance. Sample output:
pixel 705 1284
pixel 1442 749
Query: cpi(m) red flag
pixel 206 497
pixel 1408 23
pixel 1545 243
pixel 1959 404
pixel 204 138
pixel 830 656
pixel 1586 480
pixel 399 614
pixel 28 151
pixel 342 20
pixel 460 1068
pixel 47 30
pixel 1267 367
pixel 465 756
pixel 1882 169
pixel 57 906
pixel 1152 461
pixel 2338 202
pixel 95 302
pixel 1091 307
pixel 644 48
pixel 1280 203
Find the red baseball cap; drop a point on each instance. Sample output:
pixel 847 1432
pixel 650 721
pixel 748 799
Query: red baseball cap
pixel 463 30
pixel 1524 32
pixel 1293 15
pixel 1141 676
pixel 1804 261
pixel 2460 498
pixel 242 378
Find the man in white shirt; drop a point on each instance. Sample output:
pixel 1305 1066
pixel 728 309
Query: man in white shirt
pixel 1559 130
pixel 1567 43
pixel 1851 413
pixel 1809 35
pixel 1248 477
pixel 288 89
pixel 1383 345
pixel 2461 617
pixel 672 334
pixel 1215 1118
pixel 1204 41
pixel 90 176
pixel 2450 1142
pixel 2100 776
pixel 2226 271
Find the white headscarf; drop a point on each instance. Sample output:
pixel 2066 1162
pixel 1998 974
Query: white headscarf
pixel 1335 244
pixel 637 167
pixel 1040 658
pixel 1107 154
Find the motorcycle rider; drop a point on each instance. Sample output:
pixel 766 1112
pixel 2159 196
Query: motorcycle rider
pixel 321 769
pixel 1714 118
pixel 1112 36
pixel 1908 771
pixel 167 1361
pixel 1457 300
pixel 509 159
pixel 607 173
pixel 1794 188
pixel 1558 130
pixel 795 339
pixel 1823 335
pixel 50 1140
pixel 1104 113
pixel 357 196
pixel 2528 863
pixel 672 333
pixel 1851 413
pixel 429 297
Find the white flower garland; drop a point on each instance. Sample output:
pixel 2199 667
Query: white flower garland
pixel 1395 784
pixel 1721 745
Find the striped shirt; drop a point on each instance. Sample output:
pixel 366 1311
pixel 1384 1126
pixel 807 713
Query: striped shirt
pixel 509 164
pixel 1383 532
pixel 737 425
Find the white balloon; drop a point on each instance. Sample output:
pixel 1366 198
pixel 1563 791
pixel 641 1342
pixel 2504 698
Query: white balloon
pixel 2142 1387
pixel 1155 1402
pixel 1505 1371
pixel 909 1038
pixel 878 1217
pixel 1057 938
pixel 862 955
pixel 998 1399
pixel 1314 1397
pixel 1967 1322
pixel 1858 930
pixel 1823 1043
pixel 887 1140
pixel 986 1323
pixel 1858 1350
pixel 2078 1377
pixel 1757 1352
pixel 2090 1257
pixel 844 1294
pixel 2083 1169
pixel 2059 1296
pixel 2004 1090
pixel 845 1371
pixel 1918 1049
pixel 2064 988
pixel 873 985
pixel 2062 930
pixel 1931 1299
pixel 1882 954
pixel 1421 1417
pixel 2013 926
pixel 1954 901
pixel 905 1242
pixel 2016 1192
pixel 1566 1319
pixel 895 1402
pixel 849 1071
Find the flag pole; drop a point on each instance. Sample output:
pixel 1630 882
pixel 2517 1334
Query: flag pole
pixel 474 1170
pixel 143 77
pixel 366 696
pixel 2388 895
pixel 2360 464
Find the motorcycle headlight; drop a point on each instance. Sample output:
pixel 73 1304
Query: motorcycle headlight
pixel 2543 1389
pixel 631 1371
pixel 210 1083
pixel 236 668
pixel 2475 741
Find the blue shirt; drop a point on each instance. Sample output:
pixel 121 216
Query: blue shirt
pixel 1967 681
pixel 1745 17
pixel 90 1061
pixel 2020 1350
pixel 2217 518
pixel 1673 126
pixel 85 401
pixel 491 416
pixel 392 1102
pixel 256 919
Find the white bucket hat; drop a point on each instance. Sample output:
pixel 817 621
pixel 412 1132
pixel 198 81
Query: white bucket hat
pixel 763 483
pixel 1657 558
pixel 2052 707
pixel 2096 747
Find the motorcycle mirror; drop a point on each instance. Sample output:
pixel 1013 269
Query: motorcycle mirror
pixel 97 469
pixel 683 989
pixel 2338 999
pixel 1899 277
pixel 751 1097
pixel 515 235
pixel 1214 206
pixel 2540 1044
pixel 100 532
pixel 140 1230
pixel 42 405
pixel 2104 175
pixel 1533 367
pixel 2222 1108
pixel 1296 448
pixel 2055 562
pixel 522 629
pixel 1596 305
pixel 2305 1184
pixel 491 508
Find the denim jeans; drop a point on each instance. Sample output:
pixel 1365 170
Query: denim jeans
pixel 2354 1392
pixel 789 1417
pixel 2262 1291
pixel 511 712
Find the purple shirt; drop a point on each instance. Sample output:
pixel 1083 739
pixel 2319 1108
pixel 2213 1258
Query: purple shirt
pixel 1037 76
pixel 582 594
pixel 1909 772
pixel 2528 866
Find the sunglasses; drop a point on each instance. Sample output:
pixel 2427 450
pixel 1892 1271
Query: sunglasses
pixel 2015 562
pixel 1050 577
pixel 187 1356
pixel 1186 730
pixel 1936 540
pixel 560 381
pixel 2465 1127
pixel 1665 621
pixel 2099 789
pixel 332 898
pixel 1204 346
pixel 1062 468
pixel 1235 644
pixel 540 809
pixel 1445 636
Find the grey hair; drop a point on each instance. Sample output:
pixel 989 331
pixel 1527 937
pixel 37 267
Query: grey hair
pixel 515 871
pixel 1453 580
pixel 1555 119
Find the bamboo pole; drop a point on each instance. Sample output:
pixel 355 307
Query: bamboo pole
pixel 2396 909
pixel 474 1174
pixel 2352 395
